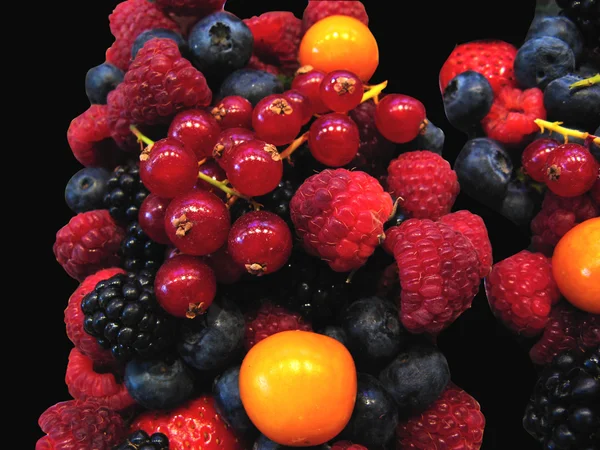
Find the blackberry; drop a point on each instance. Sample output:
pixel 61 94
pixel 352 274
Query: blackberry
pixel 125 193
pixel 564 410
pixel 123 315
pixel 586 15
pixel 139 252
pixel 139 440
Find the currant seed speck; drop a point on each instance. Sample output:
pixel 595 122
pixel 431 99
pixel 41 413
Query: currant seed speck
pixel 300 101
pixel 341 91
pixel 233 112
pixel 534 158
pixel 227 140
pixel 276 121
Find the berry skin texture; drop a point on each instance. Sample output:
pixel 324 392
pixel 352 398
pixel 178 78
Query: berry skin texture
pixel 197 8
pixel 151 218
pixel 195 425
pixel 339 216
pixel 492 59
pixel 341 91
pixel 80 424
pixel 439 274
pixel 542 60
pixel 347 445
pixel 400 118
pixel 253 85
pixel 454 421
pixel 159 33
pixel 226 392
pixel 254 168
pixel 227 141
pixel 560 27
pixel 334 139
pixel 534 158
pixel 521 292
pixel 308 82
pixel 233 112
pixel 100 80
pixel 276 121
pixel 298 100
pixel 319 9
pixel 270 319
pixel 157 441
pixel 511 118
pixel 88 243
pixel 577 108
pixel 86 189
pixel 467 100
pixel 198 131
pixel 424 184
pixel 571 170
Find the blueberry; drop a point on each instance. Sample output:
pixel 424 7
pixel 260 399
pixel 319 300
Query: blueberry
pixel 210 341
pixel 163 33
pixel 100 80
pixel 226 392
pixel 86 189
pixel 220 44
pixel 520 204
pixel 375 415
pixel 416 377
pixel 336 333
pixel 253 85
pixel 559 27
pixel 467 100
pixel 264 443
pixel 484 170
pixel 542 60
pixel 587 70
pixel 577 108
pixel 158 384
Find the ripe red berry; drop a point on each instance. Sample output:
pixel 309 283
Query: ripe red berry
pixel 534 158
pixel 233 112
pixel 152 218
pixel 197 129
pixel 213 170
pixel 197 223
pixel 334 139
pixel 308 83
pixel 185 286
pixel 261 241
pixel 341 91
pixel 254 168
pixel 300 101
pixel 571 170
pixel 226 270
pixel 400 118
pixel 276 121
pixel 227 140
pixel 168 169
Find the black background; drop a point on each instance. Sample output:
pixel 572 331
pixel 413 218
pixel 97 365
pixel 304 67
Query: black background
pixel 414 41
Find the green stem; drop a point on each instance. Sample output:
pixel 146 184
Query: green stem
pixel 138 134
pixel 586 82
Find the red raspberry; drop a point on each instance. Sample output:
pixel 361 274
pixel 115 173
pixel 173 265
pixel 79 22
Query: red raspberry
pixel 85 343
pixel 319 9
pixel 271 319
pixel 492 59
pixel 339 216
pixel 77 424
pixel 89 242
pixel 439 274
pixel 521 291
pixel 85 383
pixel 453 422
pixel 568 328
pixel 512 115
pixel 90 139
pixel 277 36
pixel 557 216
pixel 424 184
pixel 473 227
pixel 347 445
pixel 391 236
pixel 127 21
pixel 256 64
pixel 119 121
pixel 196 8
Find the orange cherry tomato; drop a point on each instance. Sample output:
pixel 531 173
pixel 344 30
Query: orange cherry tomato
pixel 340 43
pixel 298 387
pixel 576 265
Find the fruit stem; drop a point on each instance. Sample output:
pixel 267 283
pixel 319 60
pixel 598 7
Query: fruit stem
pixel 229 191
pixel 141 138
pixel 586 82
pixel 373 92
pixel 202 161
pixel 566 132
pixel 294 146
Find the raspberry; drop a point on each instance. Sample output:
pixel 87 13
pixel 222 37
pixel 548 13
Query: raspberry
pixel 512 115
pixel 119 54
pixel 439 274
pixel 557 216
pixel 347 445
pixel 319 9
pixel 256 64
pixel 90 139
pixel 454 421
pixel 424 184
pixel 84 382
pixel 85 343
pixel 88 243
pixel 521 291
pixel 196 8
pixel 271 319
pixel 339 216
pixel 473 227
pixel 391 236
pixel 568 328
pixel 77 424
pixel 277 36
pixel 119 120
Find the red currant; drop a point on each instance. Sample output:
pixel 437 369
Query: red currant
pixel 300 101
pixel 400 118
pixel 213 170
pixel 233 112
pixel 571 170
pixel 168 168
pixel 197 223
pixel 341 91
pixel 254 168
pixel 228 139
pixel 275 120
pixel 185 286
pixel 151 218
pixel 225 268
pixel 308 83
pixel 198 131
pixel 534 158
pixel 334 139
pixel 261 241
